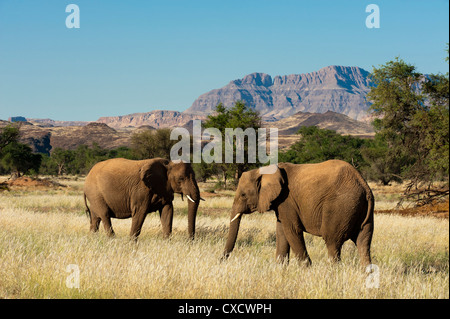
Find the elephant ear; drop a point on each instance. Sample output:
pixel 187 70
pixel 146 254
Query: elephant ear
pixel 270 186
pixel 154 175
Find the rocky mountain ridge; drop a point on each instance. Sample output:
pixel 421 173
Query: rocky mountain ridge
pixel 157 119
pixel 339 89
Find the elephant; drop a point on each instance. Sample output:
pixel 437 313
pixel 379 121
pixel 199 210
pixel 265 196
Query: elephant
pixel 122 188
pixel 329 199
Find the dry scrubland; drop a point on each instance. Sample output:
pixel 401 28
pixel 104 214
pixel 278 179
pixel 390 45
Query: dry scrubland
pixel 44 231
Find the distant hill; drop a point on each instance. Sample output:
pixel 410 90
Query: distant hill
pixel 342 124
pixel 340 89
pixel 51 123
pixel 45 139
pixel 157 119
pixel 329 120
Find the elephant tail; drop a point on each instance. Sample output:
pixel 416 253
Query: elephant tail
pixel 88 211
pixel 370 207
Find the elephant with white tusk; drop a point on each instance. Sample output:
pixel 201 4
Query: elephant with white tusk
pixel 329 199
pixel 121 188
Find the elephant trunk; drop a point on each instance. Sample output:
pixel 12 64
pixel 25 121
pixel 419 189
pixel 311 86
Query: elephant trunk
pixel 235 221
pixel 193 202
pixel 192 214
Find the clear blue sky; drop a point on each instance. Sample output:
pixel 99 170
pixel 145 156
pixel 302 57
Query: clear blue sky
pixel 138 56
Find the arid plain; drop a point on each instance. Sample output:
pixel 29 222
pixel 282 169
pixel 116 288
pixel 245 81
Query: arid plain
pixel 46 251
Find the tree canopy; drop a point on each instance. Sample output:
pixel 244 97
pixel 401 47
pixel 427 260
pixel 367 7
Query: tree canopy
pixel 15 157
pixel 239 116
pixel 317 145
pixel 152 143
pixel 412 125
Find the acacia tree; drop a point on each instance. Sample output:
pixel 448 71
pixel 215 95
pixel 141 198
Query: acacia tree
pixel 237 116
pixel 8 134
pixel 412 112
pixel 16 157
pixel 62 159
pixel 150 144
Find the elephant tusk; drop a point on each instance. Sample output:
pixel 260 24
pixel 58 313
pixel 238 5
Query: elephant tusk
pixel 235 217
pixel 189 197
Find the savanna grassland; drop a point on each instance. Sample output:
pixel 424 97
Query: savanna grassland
pixel 44 232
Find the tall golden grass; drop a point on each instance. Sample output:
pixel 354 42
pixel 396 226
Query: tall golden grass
pixel 42 234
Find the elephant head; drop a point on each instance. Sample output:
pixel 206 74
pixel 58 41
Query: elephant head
pixel 165 176
pixel 255 192
pixel 181 178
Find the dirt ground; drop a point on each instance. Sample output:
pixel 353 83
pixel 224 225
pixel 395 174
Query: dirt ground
pixel 437 209
pixel 29 183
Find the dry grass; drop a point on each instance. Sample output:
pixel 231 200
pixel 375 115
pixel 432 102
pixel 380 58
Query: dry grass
pixel 42 232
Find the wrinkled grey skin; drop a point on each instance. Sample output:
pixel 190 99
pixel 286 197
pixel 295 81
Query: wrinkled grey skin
pixel 121 188
pixel 328 199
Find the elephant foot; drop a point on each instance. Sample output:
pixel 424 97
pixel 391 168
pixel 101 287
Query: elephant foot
pixel 283 260
pixel 224 257
pixel 306 262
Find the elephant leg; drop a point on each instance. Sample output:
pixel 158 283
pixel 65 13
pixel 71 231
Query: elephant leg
pixel 334 250
pixel 100 212
pixel 95 222
pixel 136 224
pixel 166 215
pixel 294 236
pixel 108 226
pixel 283 247
pixel 335 228
pixel 363 242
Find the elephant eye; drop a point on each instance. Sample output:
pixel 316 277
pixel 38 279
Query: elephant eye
pixel 242 195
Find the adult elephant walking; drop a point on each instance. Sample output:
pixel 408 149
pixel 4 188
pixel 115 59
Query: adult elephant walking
pixel 329 199
pixel 121 188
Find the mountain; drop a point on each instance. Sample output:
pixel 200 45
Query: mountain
pixel 51 123
pixel 339 89
pixel 333 97
pixel 157 119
